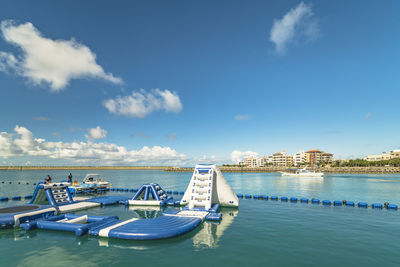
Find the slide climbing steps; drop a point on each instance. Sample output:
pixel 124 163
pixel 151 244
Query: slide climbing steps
pixel 60 195
pixel 202 187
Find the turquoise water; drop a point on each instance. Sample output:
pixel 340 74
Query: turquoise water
pixel 260 232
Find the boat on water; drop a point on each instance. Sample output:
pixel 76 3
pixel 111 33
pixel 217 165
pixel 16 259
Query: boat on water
pixel 302 172
pixel 94 179
pixel 91 182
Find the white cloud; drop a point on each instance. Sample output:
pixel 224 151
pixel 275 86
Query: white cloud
pixel 7 62
pixel 242 117
pixel 23 143
pixel 96 133
pixel 7 148
pixel 368 115
pixel 141 103
pixel 298 23
pixel 238 156
pixel 43 60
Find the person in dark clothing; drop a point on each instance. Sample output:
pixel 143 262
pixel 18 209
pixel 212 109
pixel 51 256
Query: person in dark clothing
pixel 48 179
pixel 70 178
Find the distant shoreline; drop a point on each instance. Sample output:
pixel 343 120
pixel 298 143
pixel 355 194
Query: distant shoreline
pixel 31 168
pixel 367 170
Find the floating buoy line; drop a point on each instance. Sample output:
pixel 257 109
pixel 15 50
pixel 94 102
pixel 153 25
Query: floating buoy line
pixel 335 203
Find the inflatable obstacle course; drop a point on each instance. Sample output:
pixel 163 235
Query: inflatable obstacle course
pixel 206 192
pixel 47 200
pixel 149 195
pixel 58 195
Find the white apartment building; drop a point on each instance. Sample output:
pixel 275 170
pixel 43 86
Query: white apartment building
pixel 299 158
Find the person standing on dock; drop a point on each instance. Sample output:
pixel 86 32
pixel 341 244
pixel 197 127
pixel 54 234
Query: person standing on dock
pixel 48 179
pixel 70 178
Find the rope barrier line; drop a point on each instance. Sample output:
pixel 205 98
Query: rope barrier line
pixel 323 202
pixel 335 203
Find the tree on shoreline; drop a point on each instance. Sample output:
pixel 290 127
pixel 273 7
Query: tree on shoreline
pixel 364 163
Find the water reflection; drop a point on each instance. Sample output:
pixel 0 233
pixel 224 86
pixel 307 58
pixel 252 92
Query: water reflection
pixel 211 232
pixel 14 233
pixel 56 255
pixel 146 212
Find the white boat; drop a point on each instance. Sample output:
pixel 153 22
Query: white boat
pixel 302 172
pixel 95 180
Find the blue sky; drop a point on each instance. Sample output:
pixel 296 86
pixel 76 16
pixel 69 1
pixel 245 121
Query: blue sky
pixel 180 82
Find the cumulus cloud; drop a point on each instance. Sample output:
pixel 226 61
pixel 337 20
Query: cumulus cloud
pixel 368 115
pixel 96 133
pixel 8 62
pixel 24 143
pixel 299 23
pixel 7 148
pixel 141 103
pixel 52 62
pixel 238 156
pixel 242 117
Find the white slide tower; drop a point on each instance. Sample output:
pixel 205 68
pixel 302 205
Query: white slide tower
pixel 207 187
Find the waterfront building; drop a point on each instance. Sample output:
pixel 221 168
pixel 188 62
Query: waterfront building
pixel 299 158
pixel 282 159
pixel 394 154
pixel 317 156
pixel 269 160
pixel 255 162
pixel 250 162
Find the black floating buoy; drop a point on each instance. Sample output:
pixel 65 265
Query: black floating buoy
pixel 10 183
pixel 34 183
pixel 19 182
pixel 2 182
pixel 27 183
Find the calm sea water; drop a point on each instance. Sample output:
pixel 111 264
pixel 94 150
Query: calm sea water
pixel 258 233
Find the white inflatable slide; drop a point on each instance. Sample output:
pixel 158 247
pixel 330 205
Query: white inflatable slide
pixel 207 187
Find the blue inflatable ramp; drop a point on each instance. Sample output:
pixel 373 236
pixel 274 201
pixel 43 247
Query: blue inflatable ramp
pixel 150 229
